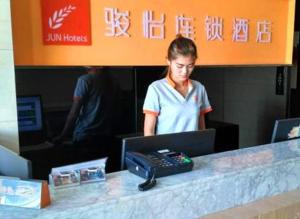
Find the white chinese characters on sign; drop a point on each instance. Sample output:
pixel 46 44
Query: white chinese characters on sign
pixel 214 28
pixel 153 29
pixel 184 26
pixel 240 30
pixel 264 34
pixel 117 22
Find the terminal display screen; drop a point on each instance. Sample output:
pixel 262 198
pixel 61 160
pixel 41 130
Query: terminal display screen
pixel 286 129
pixel 29 113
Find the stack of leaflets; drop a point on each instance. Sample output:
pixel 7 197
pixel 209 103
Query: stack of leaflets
pixel 24 193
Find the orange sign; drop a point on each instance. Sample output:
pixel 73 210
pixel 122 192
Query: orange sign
pixel 131 33
pixel 66 22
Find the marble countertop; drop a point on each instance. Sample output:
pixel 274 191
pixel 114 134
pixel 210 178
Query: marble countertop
pixel 217 182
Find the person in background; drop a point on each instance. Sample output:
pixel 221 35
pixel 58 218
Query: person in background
pixel 93 116
pixel 176 103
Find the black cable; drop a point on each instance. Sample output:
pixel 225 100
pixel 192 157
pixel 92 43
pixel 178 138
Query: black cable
pixel 149 183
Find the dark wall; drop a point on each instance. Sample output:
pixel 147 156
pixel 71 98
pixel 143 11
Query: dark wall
pixel 56 87
pixel 239 95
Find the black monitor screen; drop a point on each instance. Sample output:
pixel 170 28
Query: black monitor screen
pixel 195 143
pixel 286 129
pixel 29 113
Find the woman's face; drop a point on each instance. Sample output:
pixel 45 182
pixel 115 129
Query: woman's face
pixel 181 68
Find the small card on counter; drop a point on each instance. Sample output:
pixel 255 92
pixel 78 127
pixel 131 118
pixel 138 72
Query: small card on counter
pixel 76 174
pixel 24 193
pixel 64 178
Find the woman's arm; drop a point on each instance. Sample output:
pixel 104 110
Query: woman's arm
pixel 202 122
pixel 149 124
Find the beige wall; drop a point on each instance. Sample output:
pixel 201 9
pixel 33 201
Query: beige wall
pixel 8 112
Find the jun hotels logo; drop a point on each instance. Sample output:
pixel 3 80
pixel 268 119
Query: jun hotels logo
pixel 66 22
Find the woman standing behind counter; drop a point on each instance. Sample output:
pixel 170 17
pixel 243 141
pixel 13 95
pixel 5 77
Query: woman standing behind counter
pixel 176 103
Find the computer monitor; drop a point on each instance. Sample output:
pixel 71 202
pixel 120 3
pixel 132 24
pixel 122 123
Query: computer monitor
pixel 286 129
pixel 195 143
pixel 30 119
pixel 11 164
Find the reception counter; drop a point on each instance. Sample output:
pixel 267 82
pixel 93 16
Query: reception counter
pixel 217 182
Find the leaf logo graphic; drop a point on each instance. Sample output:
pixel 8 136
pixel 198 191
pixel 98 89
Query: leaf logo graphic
pixel 56 20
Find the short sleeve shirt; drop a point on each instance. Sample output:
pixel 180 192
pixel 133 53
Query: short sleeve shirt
pixel 176 113
pixel 95 115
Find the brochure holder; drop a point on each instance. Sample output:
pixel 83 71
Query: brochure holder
pixel 76 174
pixel 24 193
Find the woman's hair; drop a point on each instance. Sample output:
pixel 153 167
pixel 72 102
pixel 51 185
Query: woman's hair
pixel 182 46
